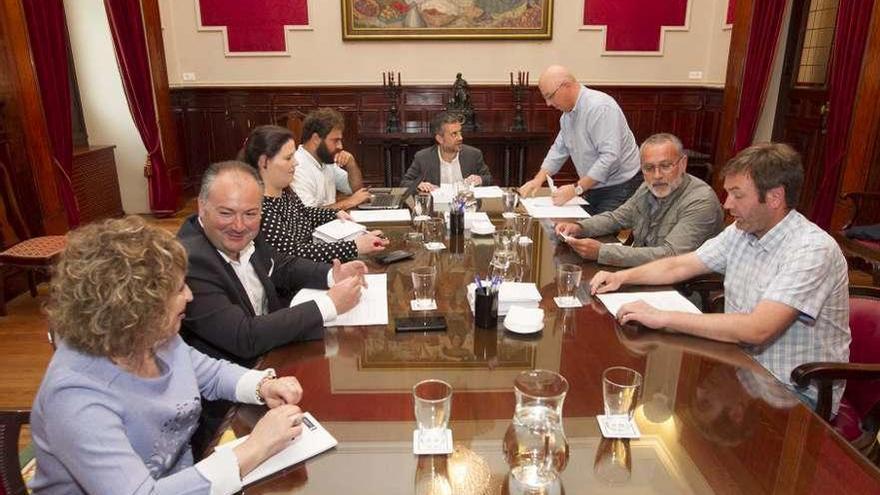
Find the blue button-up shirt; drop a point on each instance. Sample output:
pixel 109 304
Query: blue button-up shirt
pixel 597 138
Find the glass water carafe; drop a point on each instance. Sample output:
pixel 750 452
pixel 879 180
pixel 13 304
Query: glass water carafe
pixel 534 445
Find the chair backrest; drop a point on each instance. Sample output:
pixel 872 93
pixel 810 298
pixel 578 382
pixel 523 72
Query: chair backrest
pixel 293 120
pixel 10 469
pixel 864 324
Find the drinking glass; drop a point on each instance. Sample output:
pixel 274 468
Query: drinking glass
pixel 424 279
pixel 415 240
pixel 568 279
pixel 620 391
pixel 523 225
pixel 422 206
pixel 510 199
pixel 435 229
pixel 432 400
pixel 535 446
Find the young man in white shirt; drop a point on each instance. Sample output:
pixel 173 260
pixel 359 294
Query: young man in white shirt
pixel 324 166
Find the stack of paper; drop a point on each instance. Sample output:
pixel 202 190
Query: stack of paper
pixel 522 294
pixel 667 300
pixel 369 216
pixel 442 194
pixel 338 230
pixel 371 310
pixel 313 440
pixel 543 208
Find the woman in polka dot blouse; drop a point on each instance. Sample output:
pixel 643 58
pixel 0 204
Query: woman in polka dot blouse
pixel 287 223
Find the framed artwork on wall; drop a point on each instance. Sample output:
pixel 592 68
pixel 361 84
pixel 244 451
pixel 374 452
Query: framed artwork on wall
pixel 447 19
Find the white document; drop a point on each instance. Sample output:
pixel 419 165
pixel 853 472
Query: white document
pixel 548 201
pixel 371 310
pixel 482 192
pixel 442 194
pixel 556 211
pixel 313 440
pixel 510 294
pixel 368 216
pixel 338 230
pixel 667 300
pixel 470 217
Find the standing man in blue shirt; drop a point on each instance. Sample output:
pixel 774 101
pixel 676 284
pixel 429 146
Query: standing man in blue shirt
pixel 594 133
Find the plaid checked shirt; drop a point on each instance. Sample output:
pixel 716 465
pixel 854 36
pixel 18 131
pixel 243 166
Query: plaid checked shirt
pixel 797 264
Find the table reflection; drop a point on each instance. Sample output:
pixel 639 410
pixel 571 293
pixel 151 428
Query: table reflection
pixel 712 420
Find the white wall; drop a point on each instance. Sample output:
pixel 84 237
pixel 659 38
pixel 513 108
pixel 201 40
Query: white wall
pixel 108 120
pixel 701 48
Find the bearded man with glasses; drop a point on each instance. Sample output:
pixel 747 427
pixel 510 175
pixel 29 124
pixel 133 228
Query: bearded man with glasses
pixel 671 213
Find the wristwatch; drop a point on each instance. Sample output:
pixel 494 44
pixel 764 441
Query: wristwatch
pixel 578 189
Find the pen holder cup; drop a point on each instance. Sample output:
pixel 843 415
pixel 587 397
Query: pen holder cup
pixel 456 222
pixel 485 308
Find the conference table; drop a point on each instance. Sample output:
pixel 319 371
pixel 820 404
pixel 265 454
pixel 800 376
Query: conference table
pixel 711 419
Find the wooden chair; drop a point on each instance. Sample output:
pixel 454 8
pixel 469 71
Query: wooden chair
pixel 709 288
pixel 858 417
pixel 11 482
pixel 35 254
pixel 293 120
pixel 862 254
pixel 24 251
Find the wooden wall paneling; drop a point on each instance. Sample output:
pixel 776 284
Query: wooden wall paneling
pixel 739 42
pixel 862 163
pixel 224 116
pixel 27 110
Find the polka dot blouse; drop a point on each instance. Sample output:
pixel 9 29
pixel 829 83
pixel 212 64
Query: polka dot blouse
pixel 288 225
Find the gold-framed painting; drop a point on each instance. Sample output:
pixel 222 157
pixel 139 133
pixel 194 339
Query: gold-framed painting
pixel 447 19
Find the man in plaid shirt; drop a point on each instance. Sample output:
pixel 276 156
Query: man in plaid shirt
pixel 785 285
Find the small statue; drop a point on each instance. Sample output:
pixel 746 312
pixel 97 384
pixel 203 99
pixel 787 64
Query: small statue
pixel 461 103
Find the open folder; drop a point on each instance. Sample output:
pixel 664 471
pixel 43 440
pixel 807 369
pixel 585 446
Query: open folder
pixel 313 440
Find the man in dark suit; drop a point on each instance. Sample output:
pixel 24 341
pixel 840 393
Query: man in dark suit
pixel 241 286
pixel 447 162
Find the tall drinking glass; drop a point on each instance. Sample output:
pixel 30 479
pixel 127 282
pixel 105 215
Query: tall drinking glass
pixel 510 199
pixel 424 279
pixel 432 402
pixel 620 391
pixel 422 203
pixel 568 279
pixel 435 229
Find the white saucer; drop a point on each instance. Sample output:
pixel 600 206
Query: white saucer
pixel 508 214
pixel 482 228
pixel 521 329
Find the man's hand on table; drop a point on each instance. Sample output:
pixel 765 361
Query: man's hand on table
pixel 563 194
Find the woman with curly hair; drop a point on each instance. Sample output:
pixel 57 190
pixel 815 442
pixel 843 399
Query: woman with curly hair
pixel 121 396
pixel 288 223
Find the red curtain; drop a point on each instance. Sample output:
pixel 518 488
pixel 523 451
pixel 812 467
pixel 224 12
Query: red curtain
pixel 766 23
pixel 129 39
pixel 47 31
pixel 850 36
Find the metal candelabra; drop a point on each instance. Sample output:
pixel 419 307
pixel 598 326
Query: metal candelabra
pixel 519 90
pixel 391 87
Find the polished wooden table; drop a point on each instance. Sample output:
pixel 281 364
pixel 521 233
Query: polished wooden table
pixel 712 420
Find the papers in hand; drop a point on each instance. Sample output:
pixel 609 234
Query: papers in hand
pixel 543 208
pixel 521 294
pixel 369 216
pixel 371 310
pixel 338 230
pixel 313 440
pixel 667 300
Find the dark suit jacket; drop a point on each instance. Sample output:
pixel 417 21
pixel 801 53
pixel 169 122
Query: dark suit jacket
pixel 220 320
pixel 426 167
